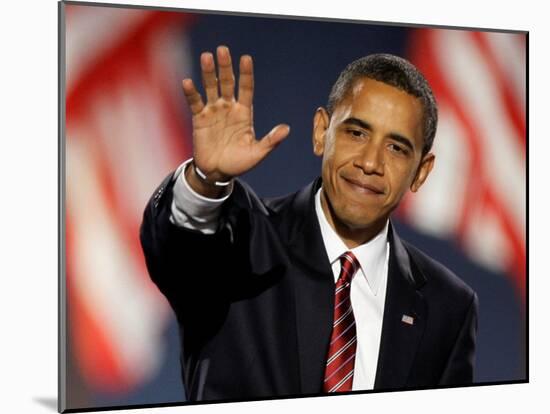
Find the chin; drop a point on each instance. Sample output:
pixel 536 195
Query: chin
pixel 357 220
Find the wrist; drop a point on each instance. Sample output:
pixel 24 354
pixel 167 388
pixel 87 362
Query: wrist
pixel 201 185
pixel 203 177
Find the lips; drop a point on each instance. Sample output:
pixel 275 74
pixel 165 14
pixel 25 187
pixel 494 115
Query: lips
pixel 364 187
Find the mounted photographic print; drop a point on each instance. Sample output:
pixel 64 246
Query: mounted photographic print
pixel 259 206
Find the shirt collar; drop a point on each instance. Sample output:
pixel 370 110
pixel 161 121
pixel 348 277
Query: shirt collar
pixel 371 255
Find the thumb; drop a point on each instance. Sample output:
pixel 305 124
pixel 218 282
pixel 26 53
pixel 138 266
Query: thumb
pixel 274 137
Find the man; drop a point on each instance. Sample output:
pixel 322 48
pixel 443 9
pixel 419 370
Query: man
pixel 312 292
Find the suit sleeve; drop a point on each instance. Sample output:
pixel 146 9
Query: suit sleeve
pixel 197 271
pixel 187 266
pixel 459 369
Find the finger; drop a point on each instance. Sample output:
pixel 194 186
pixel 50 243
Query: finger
pixel 226 77
pixel 246 80
pixel 192 95
pixel 252 118
pixel 209 81
pixel 273 138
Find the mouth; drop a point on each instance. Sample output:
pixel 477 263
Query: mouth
pixel 364 188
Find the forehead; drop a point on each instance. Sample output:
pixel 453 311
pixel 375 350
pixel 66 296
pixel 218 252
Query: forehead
pixel 383 105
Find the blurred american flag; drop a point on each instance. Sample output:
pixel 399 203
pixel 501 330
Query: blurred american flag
pixel 124 132
pixel 479 197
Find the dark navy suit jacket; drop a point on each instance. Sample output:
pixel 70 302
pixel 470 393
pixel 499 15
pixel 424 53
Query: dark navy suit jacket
pixel 254 302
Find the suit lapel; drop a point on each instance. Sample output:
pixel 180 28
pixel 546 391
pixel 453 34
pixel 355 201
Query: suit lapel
pixel 404 319
pixel 314 292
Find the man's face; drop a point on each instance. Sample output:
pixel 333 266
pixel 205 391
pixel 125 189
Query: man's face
pixel 372 153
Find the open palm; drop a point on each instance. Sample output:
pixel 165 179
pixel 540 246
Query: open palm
pixel 224 143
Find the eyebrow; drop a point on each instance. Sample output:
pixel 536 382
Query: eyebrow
pixel 365 125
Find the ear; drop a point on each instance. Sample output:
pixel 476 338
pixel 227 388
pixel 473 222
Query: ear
pixel 321 121
pixel 426 165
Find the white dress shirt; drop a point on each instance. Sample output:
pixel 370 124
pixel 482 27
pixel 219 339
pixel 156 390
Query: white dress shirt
pixel 368 287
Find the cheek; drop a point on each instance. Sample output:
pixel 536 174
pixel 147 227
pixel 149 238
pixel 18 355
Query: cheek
pixel 329 148
pixel 327 172
pixel 329 158
pixel 339 153
pixel 401 177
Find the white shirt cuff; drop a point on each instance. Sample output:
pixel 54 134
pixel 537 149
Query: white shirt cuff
pixel 192 210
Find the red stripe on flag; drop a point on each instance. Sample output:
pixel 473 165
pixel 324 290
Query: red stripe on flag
pixel 128 61
pixel 130 51
pixel 510 103
pixel 423 55
pixel 480 190
pixel 97 360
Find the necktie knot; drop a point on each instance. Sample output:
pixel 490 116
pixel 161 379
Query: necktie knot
pixel 350 265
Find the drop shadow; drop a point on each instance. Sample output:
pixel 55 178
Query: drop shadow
pixel 48 402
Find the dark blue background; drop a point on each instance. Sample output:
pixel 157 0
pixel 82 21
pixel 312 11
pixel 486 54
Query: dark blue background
pixel 296 62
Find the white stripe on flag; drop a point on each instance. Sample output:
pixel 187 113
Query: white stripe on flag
pixel 511 59
pixel 437 207
pixel 472 82
pixel 126 305
pixel 90 33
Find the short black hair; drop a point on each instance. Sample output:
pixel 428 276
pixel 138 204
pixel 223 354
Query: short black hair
pixel 397 72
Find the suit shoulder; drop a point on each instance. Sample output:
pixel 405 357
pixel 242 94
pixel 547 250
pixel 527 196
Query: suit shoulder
pixel 246 197
pixel 439 276
pixel 297 203
pixel 280 204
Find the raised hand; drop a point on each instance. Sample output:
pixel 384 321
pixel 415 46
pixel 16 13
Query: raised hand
pixel 224 142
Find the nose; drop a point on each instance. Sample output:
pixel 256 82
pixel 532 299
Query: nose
pixel 371 158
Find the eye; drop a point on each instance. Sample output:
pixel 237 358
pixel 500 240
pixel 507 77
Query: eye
pixel 355 133
pixel 398 149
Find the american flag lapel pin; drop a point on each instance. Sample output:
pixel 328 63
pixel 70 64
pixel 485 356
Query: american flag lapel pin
pixel 407 319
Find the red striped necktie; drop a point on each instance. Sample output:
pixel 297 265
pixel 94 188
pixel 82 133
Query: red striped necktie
pixel 343 342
